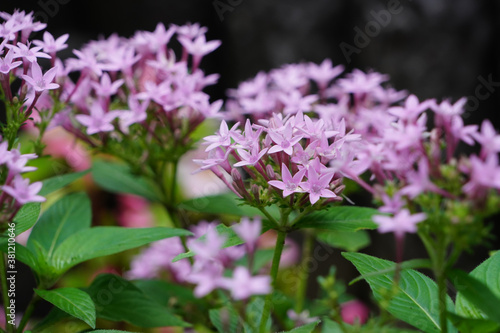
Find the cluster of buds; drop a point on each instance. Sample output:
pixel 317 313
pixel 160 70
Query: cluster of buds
pixel 211 261
pixel 15 190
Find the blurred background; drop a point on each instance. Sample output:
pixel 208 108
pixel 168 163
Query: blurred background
pixel 432 48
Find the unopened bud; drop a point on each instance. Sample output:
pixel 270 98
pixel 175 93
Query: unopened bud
pixel 235 174
pixel 336 182
pixel 256 192
pixel 270 172
pixel 339 189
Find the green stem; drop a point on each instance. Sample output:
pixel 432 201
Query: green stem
pixel 269 217
pixel 28 312
pixel 304 272
pixel 266 312
pixel 5 296
pixel 173 183
pixel 440 269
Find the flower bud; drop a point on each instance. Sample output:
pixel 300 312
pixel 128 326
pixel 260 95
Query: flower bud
pixel 270 172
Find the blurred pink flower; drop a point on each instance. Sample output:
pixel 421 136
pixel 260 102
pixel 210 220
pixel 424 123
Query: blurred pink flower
pixel 354 312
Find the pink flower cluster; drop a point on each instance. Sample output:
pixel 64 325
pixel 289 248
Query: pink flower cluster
pixel 312 127
pixel 138 80
pixel 302 157
pixel 211 261
pixel 19 58
pixel 15 190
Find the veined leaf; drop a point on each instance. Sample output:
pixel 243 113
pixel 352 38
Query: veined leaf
pixel 473 298
pixel 72 301
pixel 102 241
pixel 67 216
pixel 415 300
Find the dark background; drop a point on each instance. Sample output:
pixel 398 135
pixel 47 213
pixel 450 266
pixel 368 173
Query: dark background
pixel 432 48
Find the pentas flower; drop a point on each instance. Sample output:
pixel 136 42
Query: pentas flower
pixel 41 82
pixel 98 120
pixel 242 285
pixel 7 64
pixel 27 53
pixel 317 185
pixel 289 184
pixel 402 222
pixel 52 45
pixel 249 231
pixel 488 138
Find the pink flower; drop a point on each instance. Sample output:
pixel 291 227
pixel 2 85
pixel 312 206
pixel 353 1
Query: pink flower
pixel 21 190
pixel 354 311
pixel 51 45
pixel 401 223
pixel 289 184
pixel 41 82
pixel 243 285
pixel 249 231
pixel 98 121
pixel 317 185
pixel 6 63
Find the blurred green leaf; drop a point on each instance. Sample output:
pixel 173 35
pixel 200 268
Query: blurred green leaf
pixel 345 240
pixel 473 325
pixel 341 218
pixel 117 299
pixel 57 182
pixel 225 319
pixel 309 328
pixel 475 298
pixel 118 178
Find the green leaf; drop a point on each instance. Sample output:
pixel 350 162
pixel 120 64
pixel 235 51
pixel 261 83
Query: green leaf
pixel 309 328
pixel 232 239
pixel 117 299
pixel 415 300
pixel 470 325
pixel 72 301
pixel 26 217
pixel 330 326
pixel 164 292
pixel 413 263
pixel 342 218
pixel 57 182
pixel 25 256
pixel 345 240
pixel 102 241
pixel 225 204
pixel 55 316
pixel 225 319
pixel 477 295
pixel 118 178
pixel 67 216
pixel 488 273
